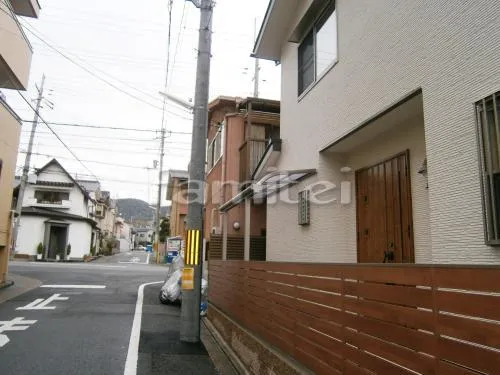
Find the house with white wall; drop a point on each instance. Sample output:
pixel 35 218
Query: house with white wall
pixel 390 117
pixel 56 214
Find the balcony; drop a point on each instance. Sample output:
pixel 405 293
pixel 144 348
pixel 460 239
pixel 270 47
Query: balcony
pixel 250 154
pixel 26 8
pixel 60 205
pixel 15 51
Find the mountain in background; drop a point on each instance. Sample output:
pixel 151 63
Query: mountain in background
pixel 130 208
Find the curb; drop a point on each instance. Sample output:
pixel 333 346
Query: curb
pixel 18 285
pixel 6 284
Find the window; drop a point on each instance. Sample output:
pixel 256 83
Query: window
pixel 50 197
pixel 304 203
pixel 488 122
pixel 216 148
pixel 318 50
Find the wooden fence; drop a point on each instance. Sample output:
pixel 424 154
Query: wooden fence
pixel 365 319
pixel 236 246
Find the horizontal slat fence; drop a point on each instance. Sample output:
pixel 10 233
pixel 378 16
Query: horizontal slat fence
pixel 365 319
pixel 236 246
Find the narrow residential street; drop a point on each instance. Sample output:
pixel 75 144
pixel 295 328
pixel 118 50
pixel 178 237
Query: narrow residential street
pixel 79 321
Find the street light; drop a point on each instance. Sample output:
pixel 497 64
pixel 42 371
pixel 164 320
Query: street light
pixel 177 100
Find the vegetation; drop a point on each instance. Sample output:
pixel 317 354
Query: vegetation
pixel 39 249
pixel 68 249
pixel 164 229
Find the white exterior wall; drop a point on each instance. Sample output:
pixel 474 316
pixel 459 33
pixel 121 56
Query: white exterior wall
pixel 54 174
pixel 80 235
pixel 31 233
pixel 388 49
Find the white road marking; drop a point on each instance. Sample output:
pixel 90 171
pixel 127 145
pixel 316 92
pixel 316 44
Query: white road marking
pixel 16 324
pixel 53 286
pixel 41 304
pixel 135 334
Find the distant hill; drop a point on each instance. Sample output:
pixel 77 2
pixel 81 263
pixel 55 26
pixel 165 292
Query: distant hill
pixel 129 208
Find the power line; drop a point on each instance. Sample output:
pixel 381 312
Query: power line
pixel 107 149
pixel 52 130
pixel 105 138
pixel 108 127
pixel 87 161
pixel 108 75
pixel 179 36
pixel 97 178
pixel 98 77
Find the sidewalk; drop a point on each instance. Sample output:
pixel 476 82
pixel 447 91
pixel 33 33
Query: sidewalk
pixel 21 285
pixel 160 348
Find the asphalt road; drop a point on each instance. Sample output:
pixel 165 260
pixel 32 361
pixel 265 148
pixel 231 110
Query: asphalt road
pixel 87 330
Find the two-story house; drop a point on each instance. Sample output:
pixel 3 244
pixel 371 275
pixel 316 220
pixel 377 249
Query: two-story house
pixel 56 214
pixel 390 114
pixel 240 132
pixel 15 61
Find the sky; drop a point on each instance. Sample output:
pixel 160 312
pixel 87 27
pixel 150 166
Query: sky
pixel 105 62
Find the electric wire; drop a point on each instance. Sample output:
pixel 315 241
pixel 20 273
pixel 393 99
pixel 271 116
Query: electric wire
pixel 52 130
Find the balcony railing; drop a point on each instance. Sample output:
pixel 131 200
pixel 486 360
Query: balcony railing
pixel 250 154
pixel 62 204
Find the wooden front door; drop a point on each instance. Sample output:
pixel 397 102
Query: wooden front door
pixel 384 215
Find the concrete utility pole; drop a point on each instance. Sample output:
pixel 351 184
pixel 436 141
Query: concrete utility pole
pixel 26 168
pixel 191 297
pixel 160 180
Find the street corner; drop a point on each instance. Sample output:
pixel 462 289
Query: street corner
pixel 20 285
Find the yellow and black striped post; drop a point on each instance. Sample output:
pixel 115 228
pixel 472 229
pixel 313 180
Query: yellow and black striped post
pixel 191 258
pixel 193 248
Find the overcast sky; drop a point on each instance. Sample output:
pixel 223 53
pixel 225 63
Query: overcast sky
pixel 124 42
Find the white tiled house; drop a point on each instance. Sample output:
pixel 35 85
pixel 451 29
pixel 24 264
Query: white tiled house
pixel 55 213
pixel 388 89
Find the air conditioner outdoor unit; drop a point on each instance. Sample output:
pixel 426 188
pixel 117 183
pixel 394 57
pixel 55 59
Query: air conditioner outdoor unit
pixel 216 230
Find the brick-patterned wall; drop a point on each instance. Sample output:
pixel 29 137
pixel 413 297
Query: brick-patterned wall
pixel 388 49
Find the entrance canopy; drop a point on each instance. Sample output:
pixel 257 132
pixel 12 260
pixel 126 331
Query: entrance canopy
pixel 271 183
pixel 390 118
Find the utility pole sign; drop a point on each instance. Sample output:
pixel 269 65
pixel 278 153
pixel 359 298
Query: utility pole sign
pixel 191 299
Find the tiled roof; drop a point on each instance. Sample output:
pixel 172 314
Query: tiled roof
pixel 55 183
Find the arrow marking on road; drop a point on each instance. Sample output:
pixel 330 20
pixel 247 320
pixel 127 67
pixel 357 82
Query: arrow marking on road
pixel 16 324
pixel 41 304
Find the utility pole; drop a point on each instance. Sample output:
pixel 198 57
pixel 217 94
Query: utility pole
pixel 26 168
pixel 160 179
pixel 257 68
pixel 191 297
